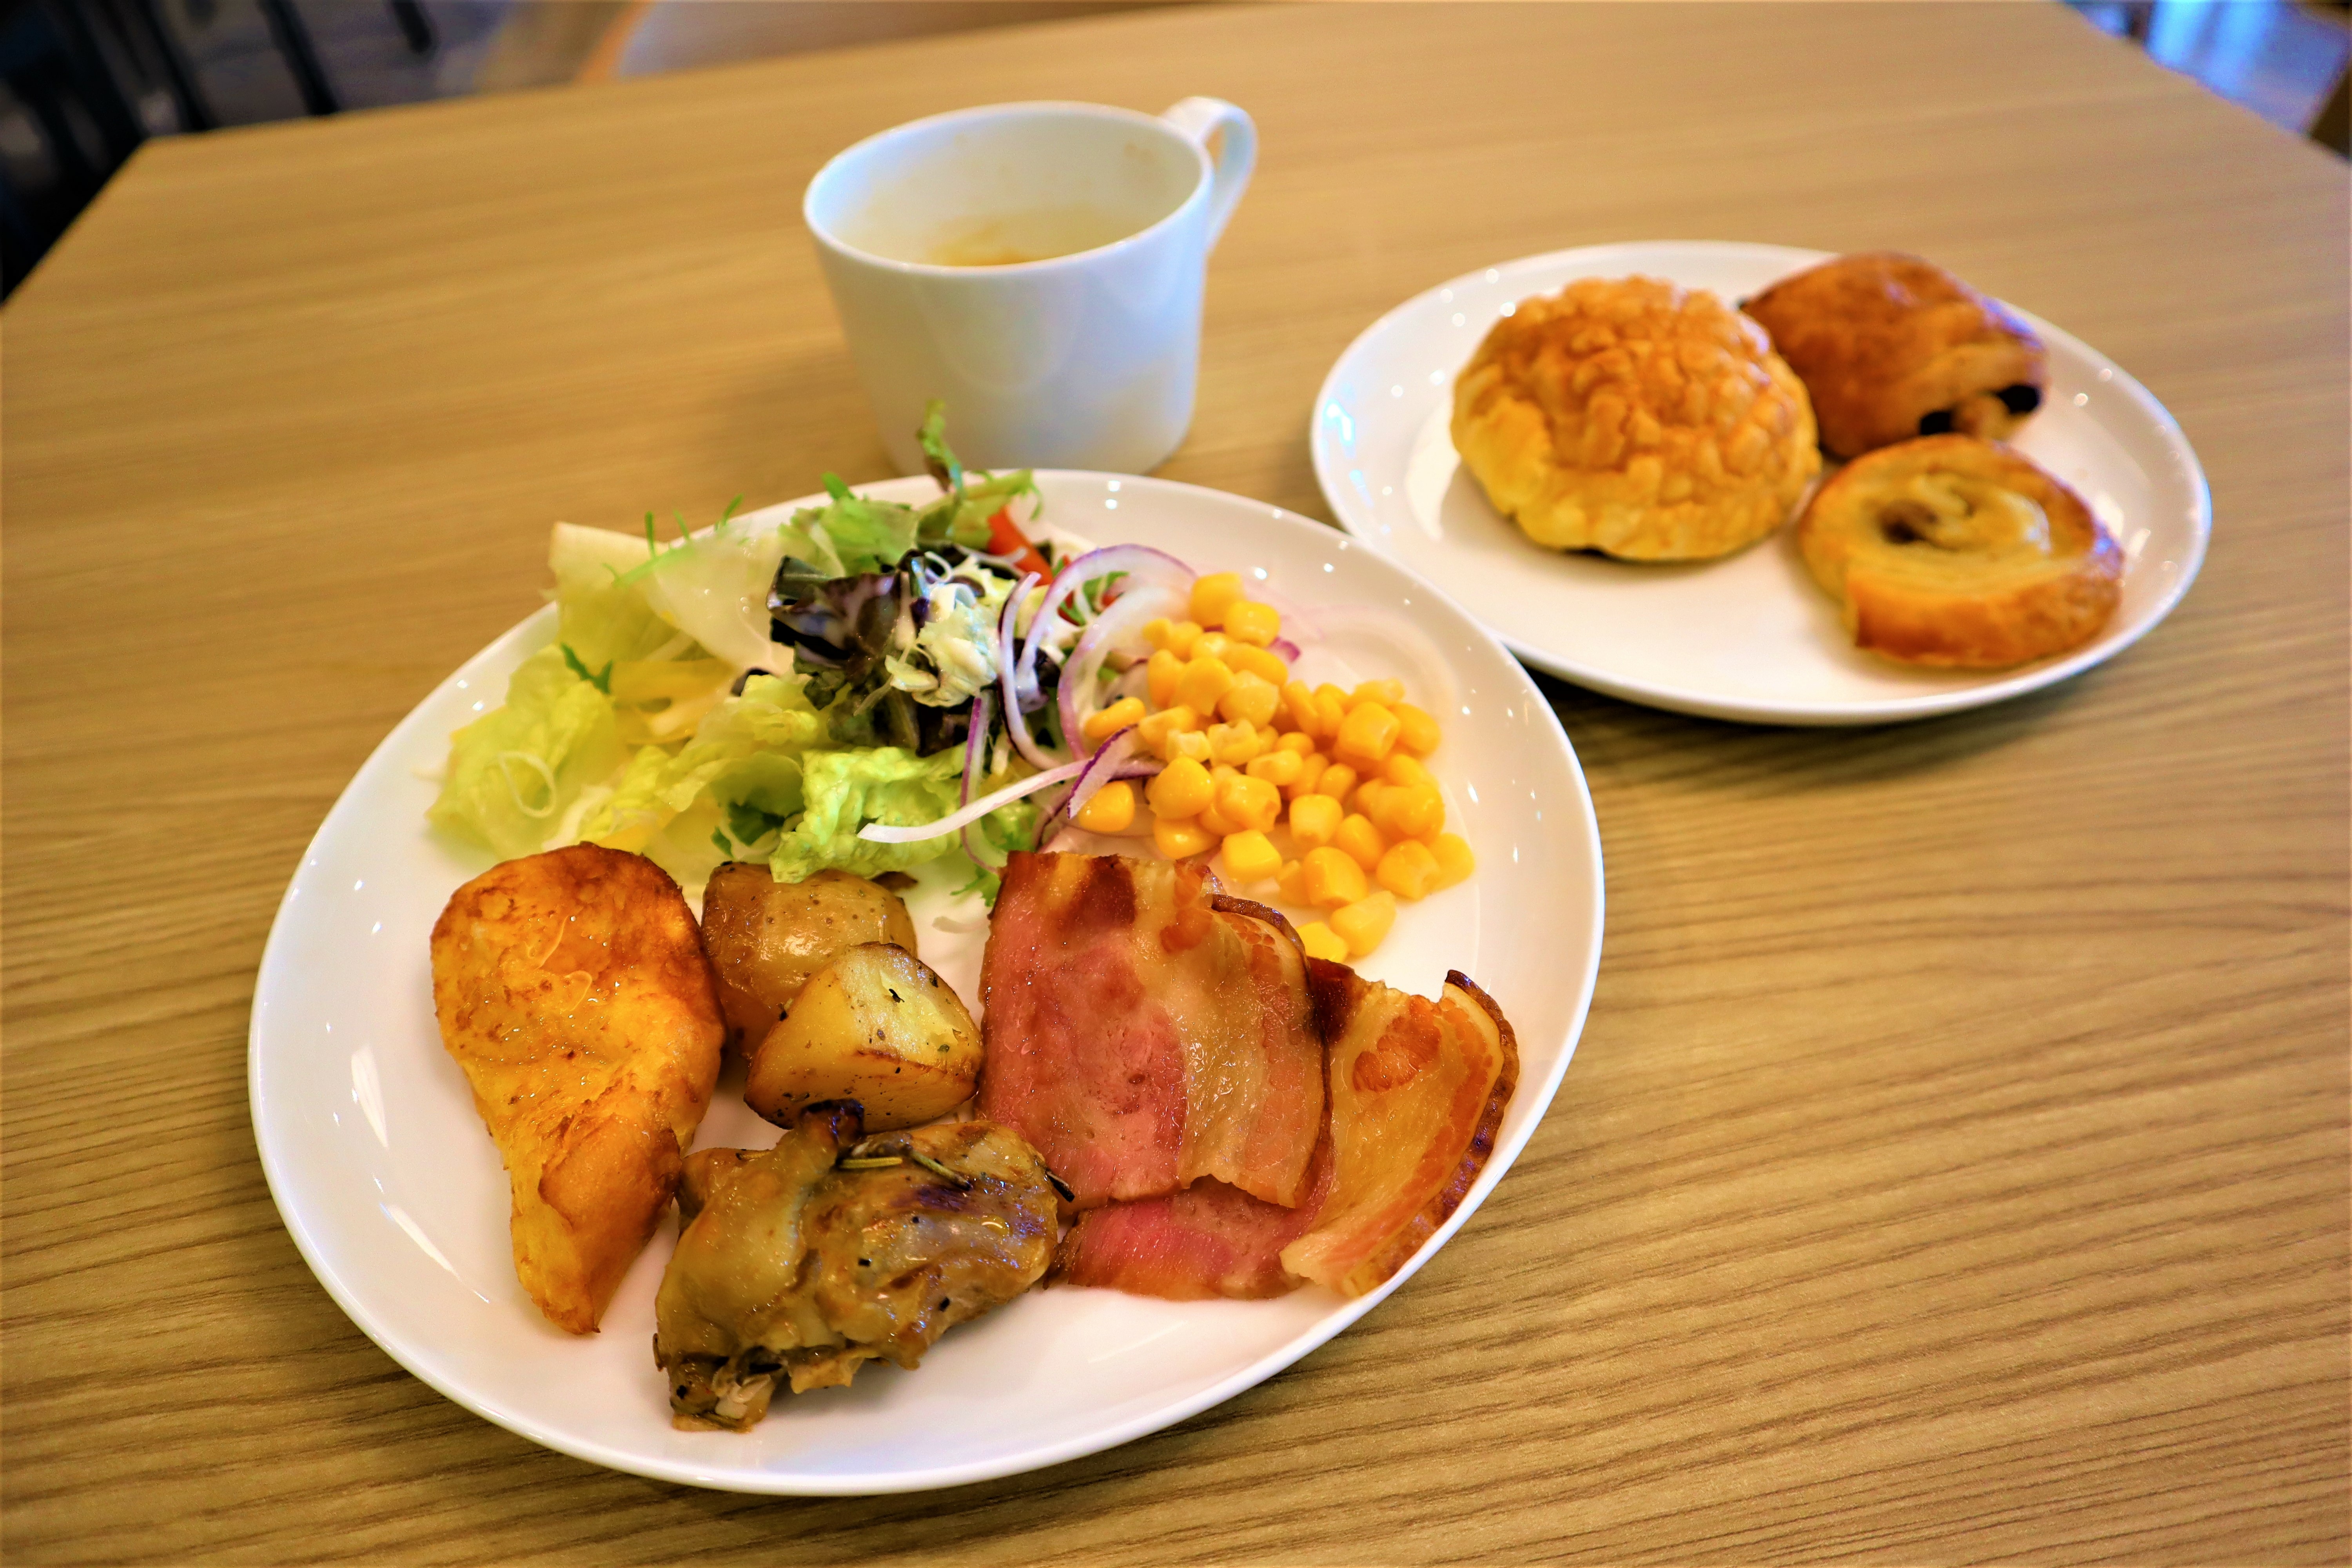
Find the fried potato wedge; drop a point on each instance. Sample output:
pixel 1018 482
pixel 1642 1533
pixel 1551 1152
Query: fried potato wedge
pixel 765 938
pixel 572 988
pixel 875 1026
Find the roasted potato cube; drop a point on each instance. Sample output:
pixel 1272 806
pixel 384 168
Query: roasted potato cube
pixel 875 1026
pixel 765 938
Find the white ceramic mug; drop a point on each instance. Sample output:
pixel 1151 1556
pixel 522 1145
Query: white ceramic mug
pixel 1036 266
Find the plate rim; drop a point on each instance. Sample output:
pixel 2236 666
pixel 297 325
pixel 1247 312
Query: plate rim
pixel 275 959
pixel 1996 686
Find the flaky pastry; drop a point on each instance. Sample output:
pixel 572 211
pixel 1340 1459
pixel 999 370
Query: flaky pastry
pixel 1635 417
pixel 1955 552
pixel 1892 347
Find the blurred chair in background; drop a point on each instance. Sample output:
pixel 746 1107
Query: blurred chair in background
pixel 2287 60
pixel 548 41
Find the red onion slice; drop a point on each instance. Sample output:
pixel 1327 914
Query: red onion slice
pixel 975 763
pixel 1110 630
pixel 1017 724
pixel 1144 565
pixel 1116 760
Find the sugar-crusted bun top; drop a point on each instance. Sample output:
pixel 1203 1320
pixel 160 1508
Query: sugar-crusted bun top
pixel 1636 417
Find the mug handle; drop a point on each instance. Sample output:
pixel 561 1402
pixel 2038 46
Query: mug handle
pixel 1236 157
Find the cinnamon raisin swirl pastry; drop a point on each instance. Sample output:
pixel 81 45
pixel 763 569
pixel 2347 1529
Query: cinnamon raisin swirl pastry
pixel 1954 553
pixel 1892 347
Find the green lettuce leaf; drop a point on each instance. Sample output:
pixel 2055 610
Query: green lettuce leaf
pixel 515 772
pixel 843 790
pixel 603 616
pixel 747 753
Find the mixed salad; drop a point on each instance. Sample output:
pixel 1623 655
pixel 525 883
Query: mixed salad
pixel 863 686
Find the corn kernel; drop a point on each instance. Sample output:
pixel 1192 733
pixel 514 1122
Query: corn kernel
pixel 1155 728
pixel 1387 693
pixel 1293 891
pixel 1181 789
pixel 1363 923
pixel 1454 860
pixel 1361 840
pixel 1366 736
pixel 1250 803
pixel 1232 745
pixel 1190 743
pixel 1182 637
pixel 1277 768
pixel 1118 716
pixel 1314 819
pixel 1330 709
pixel 1252 622
pixel 1402 769
pixel 1416 731
pixel 1366 801
pixel 1158 631
pixel 1298 702
pixel 1160 674
pixel 1180 839
pixel 1251 856
pixel 1329 878
pixel 1416 811
pixel 1212 645
pixel 1311 773
pixel 1339 782
pixel 1250 696
pixel 1213 817
pixel 1266 665
pixel 1110 809
pixel 1409 870
pixel 1214 595
pixel 1321 942
pixel 1205 680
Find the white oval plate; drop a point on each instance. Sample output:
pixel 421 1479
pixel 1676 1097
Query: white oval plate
pixel 395 1195
pixel 1750 636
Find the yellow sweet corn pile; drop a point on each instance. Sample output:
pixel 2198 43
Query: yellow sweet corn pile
pixel 1320 792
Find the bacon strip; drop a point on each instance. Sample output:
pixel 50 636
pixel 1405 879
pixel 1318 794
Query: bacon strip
pixel 1141 1038
pixel 1209 1240
pixel 1418 1090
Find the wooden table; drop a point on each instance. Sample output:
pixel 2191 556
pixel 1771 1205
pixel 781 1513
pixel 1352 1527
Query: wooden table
pixel 1955 1164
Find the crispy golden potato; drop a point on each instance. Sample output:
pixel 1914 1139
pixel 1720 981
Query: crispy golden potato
pixel 875 1026
pixel 572 988
pixel 765 938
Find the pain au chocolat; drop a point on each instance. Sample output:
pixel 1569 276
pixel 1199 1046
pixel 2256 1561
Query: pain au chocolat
pixel 1954 553
pixel 1891 347
pixel 1634 418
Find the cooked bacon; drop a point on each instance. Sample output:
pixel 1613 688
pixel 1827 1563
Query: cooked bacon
pixel 1208 1240
pixel 1143 1040
pixel 1417 1091
pixel 1251 1118
pixel 1403 1148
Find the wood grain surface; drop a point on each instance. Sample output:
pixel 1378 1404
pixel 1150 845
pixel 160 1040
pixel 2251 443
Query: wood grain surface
pixel 1954 1165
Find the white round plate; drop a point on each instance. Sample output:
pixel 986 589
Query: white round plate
pixel 1750 636
pixel 395 1195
